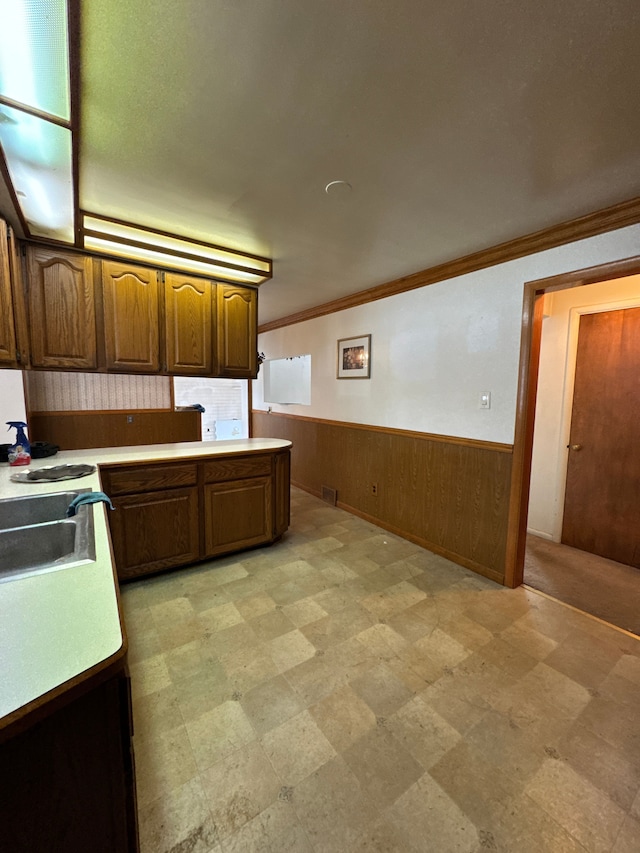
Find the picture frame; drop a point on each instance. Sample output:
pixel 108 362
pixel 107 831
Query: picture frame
pixel 354 358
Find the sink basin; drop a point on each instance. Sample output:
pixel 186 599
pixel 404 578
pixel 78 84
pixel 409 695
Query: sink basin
pixel 35 509
pixel 41 538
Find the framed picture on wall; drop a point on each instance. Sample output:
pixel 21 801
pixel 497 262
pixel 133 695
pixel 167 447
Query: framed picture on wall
pixel 354 358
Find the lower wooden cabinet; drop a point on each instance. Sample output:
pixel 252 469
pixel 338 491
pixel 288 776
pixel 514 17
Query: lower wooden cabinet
pixel 176 513
pixel 155 530
pixel 237 514
pixel 282 492
pixel 67 782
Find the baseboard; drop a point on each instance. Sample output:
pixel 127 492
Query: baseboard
pixel 417 540
pixel 540 534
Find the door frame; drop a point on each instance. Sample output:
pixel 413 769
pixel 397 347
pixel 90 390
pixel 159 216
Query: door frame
pixel 531 335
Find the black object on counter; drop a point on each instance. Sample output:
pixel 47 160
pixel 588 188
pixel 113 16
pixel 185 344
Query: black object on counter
pixel 42 449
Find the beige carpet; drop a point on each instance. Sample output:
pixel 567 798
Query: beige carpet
pixel 591 583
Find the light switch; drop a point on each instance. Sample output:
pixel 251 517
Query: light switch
pixel 485 400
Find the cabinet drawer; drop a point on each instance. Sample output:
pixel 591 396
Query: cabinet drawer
pixel 237 468
pixel 123 481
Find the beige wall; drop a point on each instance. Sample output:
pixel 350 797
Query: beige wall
pixel 435 349
pixel 12 405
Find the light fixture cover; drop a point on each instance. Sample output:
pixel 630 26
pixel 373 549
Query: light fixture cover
pixel 34 55
pixel 35 114
pixel 128 240
pixel 38 157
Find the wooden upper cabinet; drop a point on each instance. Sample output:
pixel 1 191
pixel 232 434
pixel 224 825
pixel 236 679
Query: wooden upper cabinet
pixel 62 308
pixel 237 330
pixel 188 322
pixel 131 317
pixel 8 351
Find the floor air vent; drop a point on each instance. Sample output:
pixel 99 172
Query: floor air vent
pixel 329 495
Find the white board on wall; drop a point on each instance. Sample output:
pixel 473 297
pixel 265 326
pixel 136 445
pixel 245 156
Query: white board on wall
pixel 288 380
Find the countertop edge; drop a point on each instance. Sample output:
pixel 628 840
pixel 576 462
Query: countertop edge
pixel 24 716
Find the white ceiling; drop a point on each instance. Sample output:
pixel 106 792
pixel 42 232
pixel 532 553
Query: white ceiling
pixel 459 125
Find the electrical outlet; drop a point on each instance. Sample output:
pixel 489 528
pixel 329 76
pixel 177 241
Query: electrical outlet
pixel 374 489
pixel 129 419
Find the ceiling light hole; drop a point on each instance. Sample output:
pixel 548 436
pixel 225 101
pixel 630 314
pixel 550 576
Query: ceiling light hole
pixel 338 188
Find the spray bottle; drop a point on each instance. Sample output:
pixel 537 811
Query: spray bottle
pixel 20 452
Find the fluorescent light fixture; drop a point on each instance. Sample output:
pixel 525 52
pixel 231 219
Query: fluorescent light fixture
pixel 36 143
pixel 38 157
pixel 35 113
pixel 126 240
pixel 34 55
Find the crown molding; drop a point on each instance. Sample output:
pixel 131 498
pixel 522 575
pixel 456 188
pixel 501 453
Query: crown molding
pixel 599 222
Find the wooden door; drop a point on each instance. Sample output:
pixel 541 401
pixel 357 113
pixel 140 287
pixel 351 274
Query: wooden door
pixel 154 531
pixel 62 309
pixel 237 330
pixel 188 325
pixel 7 327
pixel 131 317
pixel 602 503
pixel 238 514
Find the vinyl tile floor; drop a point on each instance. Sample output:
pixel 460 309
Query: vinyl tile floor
pixel 346 690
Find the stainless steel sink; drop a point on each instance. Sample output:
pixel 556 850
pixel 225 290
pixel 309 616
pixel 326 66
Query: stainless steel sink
pixel 47 541
pixel 35 509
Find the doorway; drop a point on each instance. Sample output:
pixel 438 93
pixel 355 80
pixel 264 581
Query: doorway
pixel 603 587
pixel 547 505
pixel 602 493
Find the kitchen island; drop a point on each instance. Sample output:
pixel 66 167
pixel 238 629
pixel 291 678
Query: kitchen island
pixel 65 691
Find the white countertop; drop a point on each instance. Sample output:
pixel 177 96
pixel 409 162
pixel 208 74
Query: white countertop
pixel 56 625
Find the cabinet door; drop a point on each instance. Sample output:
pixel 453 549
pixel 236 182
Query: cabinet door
pixel 282 492
pixel 188 325
pixel 131 317
pixel 238 514
pixel 62 309
pixel 8 354
pixel 155 530
pixel 67 782
pixel 237 330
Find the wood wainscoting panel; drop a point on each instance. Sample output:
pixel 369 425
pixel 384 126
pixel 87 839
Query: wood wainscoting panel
pixel 449 495
pixel 80 430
